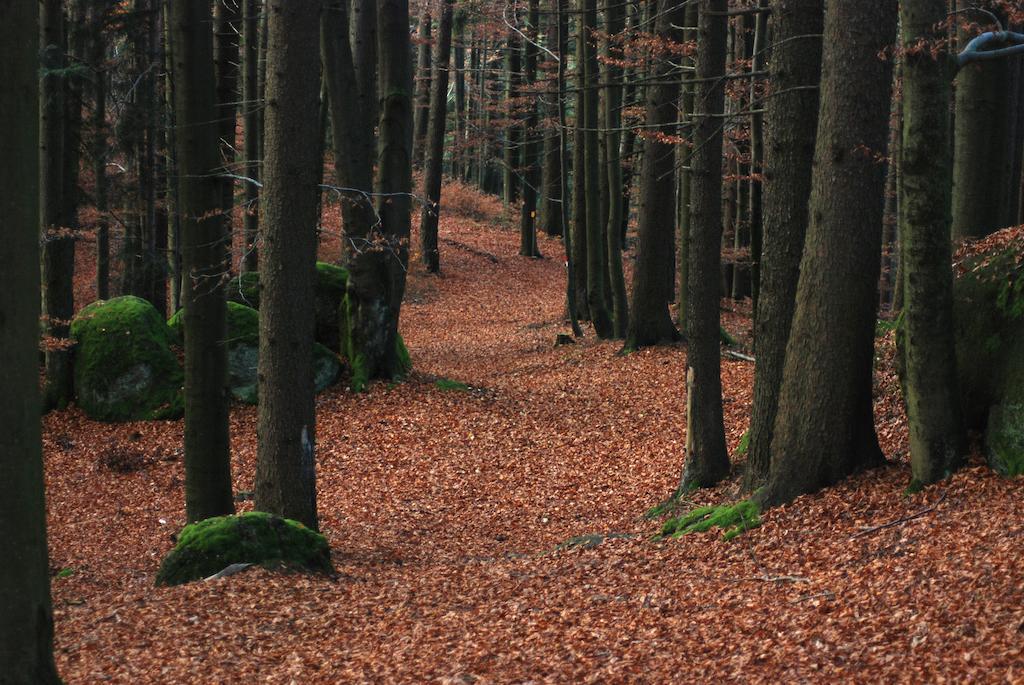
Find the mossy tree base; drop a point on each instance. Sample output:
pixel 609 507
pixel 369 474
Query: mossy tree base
pixel 208 547
pixel 732 519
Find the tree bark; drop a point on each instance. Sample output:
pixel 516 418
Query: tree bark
pixel 99 150
pixel 423 71
pixel 931 388
pixel 707 462
pixel 685 179
pixel 651 322
pixel 531 143
pixel 615 23
pixel 513 139
pixel 285 460
pixel 26 613
pixel 204 264
pixel 597 258
pixel 435 142
pixel 364 58
pixel 824 427
pixel 58 243
pixel 579 196
pixel 251 105
pixel 791 122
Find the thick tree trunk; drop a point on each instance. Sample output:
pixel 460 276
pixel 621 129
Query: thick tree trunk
pixel 204 263
pixel 597 261
pixel 571 303
pixel 931 391
pixel 364 58
pixel 685 153
pixel 758 60
pixel 26 613
pixel 579 198
pixel 423 74
pixel 250 122
pixel 285 461
pixel 707 462
pixel 651 322
pixel 380 301
pixel 824 427
pixel 791 121
pixel 531 144
pixel 58 244
pixel 435 142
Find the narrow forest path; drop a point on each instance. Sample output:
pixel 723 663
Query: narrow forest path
pixel 443 506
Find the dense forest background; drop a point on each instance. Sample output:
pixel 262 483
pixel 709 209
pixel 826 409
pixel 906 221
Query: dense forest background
pixel 668 265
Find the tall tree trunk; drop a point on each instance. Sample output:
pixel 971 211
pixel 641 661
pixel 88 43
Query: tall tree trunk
pixel 707 462
pixel 173 264
pixel 824 427
pixel 26 613
pixel 458 156
pixel 550 212
pixel 227 24
pixel 512 137
pixel 99 150
pixel 686 177
pixel 757 63
pixel 597 262
pixel 58 244
pixel 285 460
pixel 423 74
pixel 394 183
pixel 204 264
pixel 251 105
pixel 615 23
pixel 571 302
pixel 531 143
pixel 651 322
pixel 579 194
pixel 791 120
pixel 435 142
pixel 931 389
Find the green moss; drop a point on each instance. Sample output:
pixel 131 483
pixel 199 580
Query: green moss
pixel 744 445
pixel 331 278
pixel 731 519
pixel 66 573
pixel 359 373
pixel 124 368
pixel 449 384
pixel 209 546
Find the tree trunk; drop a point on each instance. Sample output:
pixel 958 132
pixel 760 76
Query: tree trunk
pixel 99 151
pixel 597 262
pixel 579 197
pixel 435 142
pixel 707 462
pixel 931 389
pixel 824 427
pixel 615 23
pixel 686 179
pixel 380 301
pixel 204 264
pixel 364 58
pixel 250 121
pixel 227 19
pixel 531 144
pixel 571 303
pixel 58 243
pixel 513 67
pixel 980 147
pixel 423 72
pixel 791 123
pixel 651 322
pixel 26 613
pixel 757 63
pixel 285 461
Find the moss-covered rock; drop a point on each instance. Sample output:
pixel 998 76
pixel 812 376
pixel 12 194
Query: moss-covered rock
pixel 124 367
pixel 989 319
pixel 209 546
pixel 243 324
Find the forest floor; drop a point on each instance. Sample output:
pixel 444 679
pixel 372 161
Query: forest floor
pixel 445 508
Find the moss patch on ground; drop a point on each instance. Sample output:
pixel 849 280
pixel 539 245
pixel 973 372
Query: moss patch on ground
pixel 124 367
pixel 732 519
pixel 210 546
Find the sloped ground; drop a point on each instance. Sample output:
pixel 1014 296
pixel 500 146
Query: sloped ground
pixel 444 507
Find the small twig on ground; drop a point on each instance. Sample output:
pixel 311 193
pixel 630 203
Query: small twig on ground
pixel 738 355
pixel 902 519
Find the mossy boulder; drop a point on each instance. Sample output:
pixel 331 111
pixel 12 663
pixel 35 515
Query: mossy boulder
pixel 243 324
pixel 732 519
pixel 989 319
pixel 332 308
pixel 208 547
pixel 124 367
